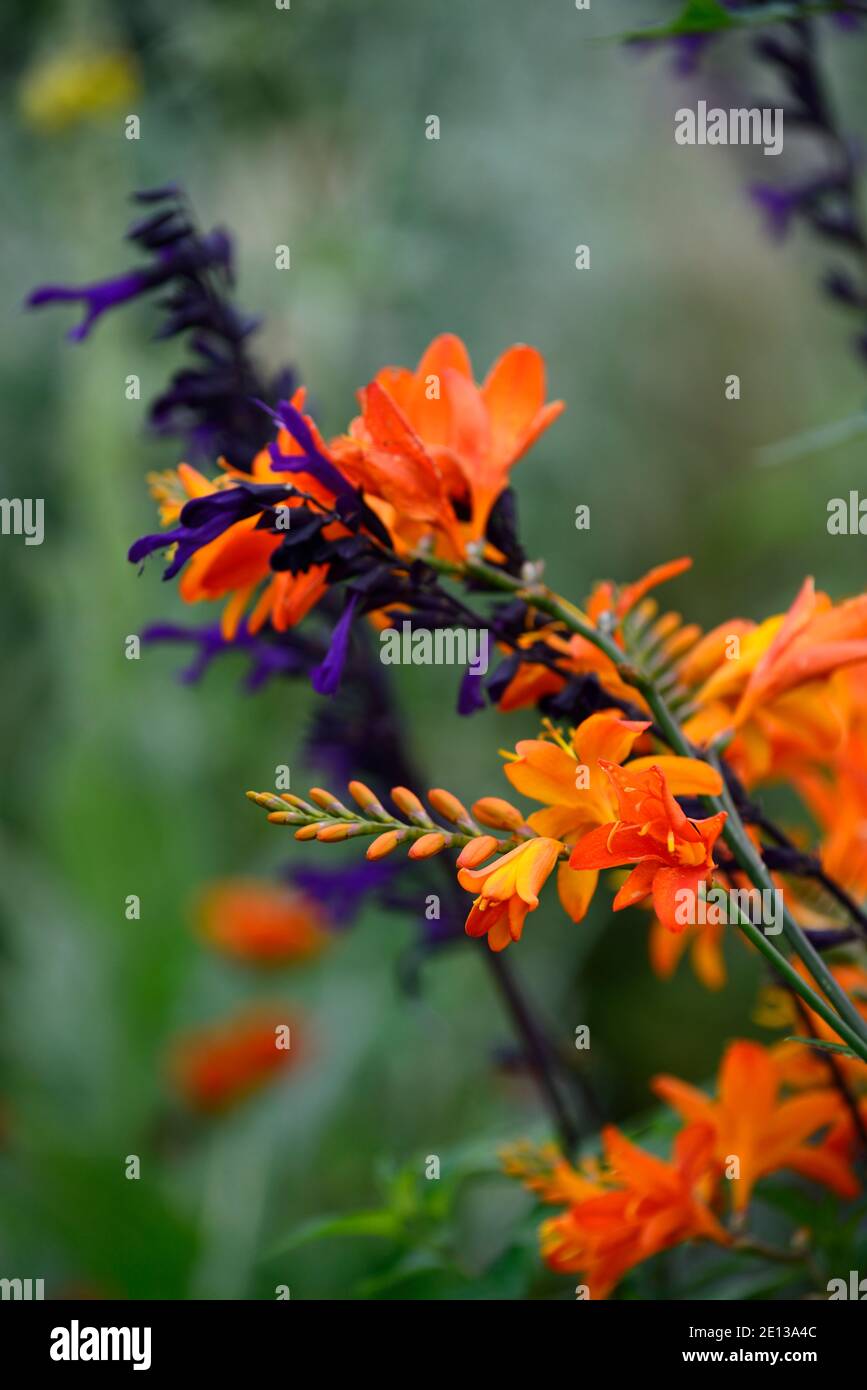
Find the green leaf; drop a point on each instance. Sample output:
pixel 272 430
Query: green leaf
pixel 711 17
pixel 840 1048
pixel 380 1223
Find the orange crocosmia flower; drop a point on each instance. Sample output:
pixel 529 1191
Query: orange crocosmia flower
pixel 432 437
pixel 671 853
pixel 508 889
pixel 529 685
pixel 216 1067
pixel 785 690
pixel 264 923
pixel 837 797
pixel 571 781
pixel 750 1122
pixel 544 1171
pixel 646 1205
pixel 705 951
pixel 810 642
pixel 780 738
pixel 814 639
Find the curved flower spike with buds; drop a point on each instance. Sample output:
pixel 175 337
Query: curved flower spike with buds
pixel 506 890
pixel 325 818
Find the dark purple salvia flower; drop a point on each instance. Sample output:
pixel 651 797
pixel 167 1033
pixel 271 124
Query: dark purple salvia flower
pixel 827 202
pixel 502 531
pixel 267 657
pixel 780 206
pixel 178 253
pixel 471 696
pixel 312 460
pixel 349 504
pixel 209 404
pixel 203 519
pixel 99 297
pixel 344 891
pixel 326 677
pixel 689 49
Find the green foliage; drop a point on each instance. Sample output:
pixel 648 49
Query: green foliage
pixel 432 1246
pixel 712 16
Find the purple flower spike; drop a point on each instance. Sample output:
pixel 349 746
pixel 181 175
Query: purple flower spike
pixel 203 519
pixel 471 694
pixel 266 658
pixel 779 205
pixel 210 403
pixel 326 677
pixel 312 460
pixel 97 298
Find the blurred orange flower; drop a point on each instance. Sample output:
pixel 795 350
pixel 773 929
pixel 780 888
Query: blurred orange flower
pixel 265 923
pixel 636 1207
pixel 705 951
pixel 777 685
pixel 800 1065
pixel 752 1124
pixel 214 1068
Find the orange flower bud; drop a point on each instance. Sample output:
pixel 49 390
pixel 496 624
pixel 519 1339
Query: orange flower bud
pixel 309 832
pixel 328 801
pixel 447 805
pixel 408 803
pixel 426 846
pixel 384 844
pixel 267 800
pixel 497 813
pixel 330 834
pixel 296 801
pixel 477 851
pixel 367 801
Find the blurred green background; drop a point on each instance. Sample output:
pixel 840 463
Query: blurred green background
pixel 306 127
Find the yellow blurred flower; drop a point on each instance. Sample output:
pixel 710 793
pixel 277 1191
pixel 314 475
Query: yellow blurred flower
pixel 60 91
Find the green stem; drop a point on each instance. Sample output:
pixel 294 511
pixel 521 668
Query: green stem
pixel 783 967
